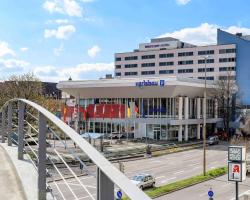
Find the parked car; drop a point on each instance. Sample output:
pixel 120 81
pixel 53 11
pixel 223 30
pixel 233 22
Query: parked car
pixel 213 140
pixel 116 136
pixel 143 180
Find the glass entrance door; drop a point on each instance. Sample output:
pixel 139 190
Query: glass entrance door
pixel 157 132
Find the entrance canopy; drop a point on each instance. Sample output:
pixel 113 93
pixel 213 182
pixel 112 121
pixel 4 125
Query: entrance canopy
pixel 141 87
pixel 92 135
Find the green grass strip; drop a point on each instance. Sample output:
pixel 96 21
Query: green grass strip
pixel 165 189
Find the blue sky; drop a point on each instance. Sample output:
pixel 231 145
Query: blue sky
pixel 56 39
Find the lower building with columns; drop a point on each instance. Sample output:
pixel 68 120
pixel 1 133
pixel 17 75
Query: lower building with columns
pixel 159 108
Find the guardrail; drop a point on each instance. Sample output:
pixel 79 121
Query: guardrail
pixel 28 125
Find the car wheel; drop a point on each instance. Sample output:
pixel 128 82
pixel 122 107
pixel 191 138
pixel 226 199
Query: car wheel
pixel 141 187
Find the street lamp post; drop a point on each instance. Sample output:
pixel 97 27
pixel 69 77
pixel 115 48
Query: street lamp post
pixel 205 118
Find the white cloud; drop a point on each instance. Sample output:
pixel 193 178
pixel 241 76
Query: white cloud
pixel 52 73
pixel 203 34
pixel 11 63
pixel 59 50
pixel 93 51
pixel 5 49
pixel 62 32
pixel 182 2
pixel 58 21
pixel 67 7
pixel 23 49
pixel 87 1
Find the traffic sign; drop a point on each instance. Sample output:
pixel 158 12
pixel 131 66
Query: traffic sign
pixel 210 193
pixel 119 194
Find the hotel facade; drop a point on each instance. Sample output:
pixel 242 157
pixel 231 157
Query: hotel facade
pixel 159 108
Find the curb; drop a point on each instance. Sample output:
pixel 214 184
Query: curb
pixel 175 190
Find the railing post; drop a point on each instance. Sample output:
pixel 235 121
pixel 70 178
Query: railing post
pixel 42 158
pixel 105 187
pixel 3 125
pixel 20 129
pixel 9 123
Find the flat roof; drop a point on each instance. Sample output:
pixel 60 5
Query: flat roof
pixel 138 87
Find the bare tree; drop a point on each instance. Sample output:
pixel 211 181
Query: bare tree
pixel 226 95
pixel 25 86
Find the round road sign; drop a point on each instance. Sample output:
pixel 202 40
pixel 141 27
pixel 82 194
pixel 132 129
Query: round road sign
pixel 210 193
pixel 119 194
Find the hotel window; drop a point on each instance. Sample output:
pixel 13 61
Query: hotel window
pixel 118 66
pixel 223 51
pixel 222 60
pixel 224 69
pixel 131 58
pixel 206 52
pixel 186 62
pixel 166 63
pixel 203 61
pixel 130 73
pixel 148 64
pixel 208 69
pixel 166 55
pixel 147 72
pixel 181 54
pixel 182 71
pixel 130 65
pixel 118 59
pixel 118 74
pixel 223 78
pixel 148 57
pixel 210 78
pixel 166 71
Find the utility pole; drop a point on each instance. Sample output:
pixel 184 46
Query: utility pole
pixel 205 118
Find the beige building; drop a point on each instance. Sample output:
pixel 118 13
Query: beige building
pixel 169 56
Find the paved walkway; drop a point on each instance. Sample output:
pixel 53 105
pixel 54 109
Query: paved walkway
pixel 10 187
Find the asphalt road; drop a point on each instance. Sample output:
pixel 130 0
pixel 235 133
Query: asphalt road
pixel 166 169
pixel 222 188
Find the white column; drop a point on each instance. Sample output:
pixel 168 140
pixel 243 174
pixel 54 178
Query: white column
pixel 198 108
pixel 180 133
pixel 180 118
pixel 186 117
pixel 198 117
pixel 180 108
pixel 198 131
pixel 215 108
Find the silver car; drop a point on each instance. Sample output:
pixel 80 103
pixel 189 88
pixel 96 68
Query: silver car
pixel 143 180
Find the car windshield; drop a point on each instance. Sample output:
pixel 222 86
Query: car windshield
pixel 137 178
pixel 211 138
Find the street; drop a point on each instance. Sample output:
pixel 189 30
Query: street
pixel 222 188
pixel 166 169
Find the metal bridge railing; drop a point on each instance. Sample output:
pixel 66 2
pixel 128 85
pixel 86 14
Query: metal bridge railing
pixel 48 141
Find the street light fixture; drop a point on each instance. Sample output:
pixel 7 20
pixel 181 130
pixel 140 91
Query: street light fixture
pixel 205 117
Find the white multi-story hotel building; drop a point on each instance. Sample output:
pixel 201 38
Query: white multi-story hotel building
pixel 169 56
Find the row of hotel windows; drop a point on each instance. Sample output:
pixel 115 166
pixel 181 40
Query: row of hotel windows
pixel 171 63
pixel 180 54
pixel 181 71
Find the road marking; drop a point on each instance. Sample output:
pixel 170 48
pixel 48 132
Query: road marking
pixel 191 165
pixel 203 194
pixel 86 197
pixel 179 172
pixel 166 180
pixel 160 177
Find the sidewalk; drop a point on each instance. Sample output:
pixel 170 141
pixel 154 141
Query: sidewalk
pixel 11 188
